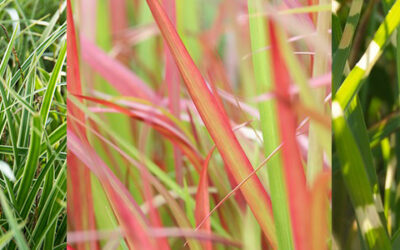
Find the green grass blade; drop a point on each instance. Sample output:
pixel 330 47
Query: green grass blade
pixel 5 100
pixel 358 184
pixel 51 209
pixel 18 236
pixel 51 87
pixel 269 125
pixel 38 52
pixel 32 160
pixel 353 81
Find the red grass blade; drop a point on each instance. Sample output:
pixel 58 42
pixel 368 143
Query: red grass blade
pixel 119 20
pixel 202 200
pixel 128 213
pixel 161 125
pixel 81 217
pixel 217 123
pixel 293 168
pixel 172 80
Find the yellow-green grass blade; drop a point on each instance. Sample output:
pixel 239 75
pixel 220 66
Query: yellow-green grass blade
pixel 187 22
pixel 353 81
pixel 383 129
pixel 5 238
pixel 306 93
pixel 358 184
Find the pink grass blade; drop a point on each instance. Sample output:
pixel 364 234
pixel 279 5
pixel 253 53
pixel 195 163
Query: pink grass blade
pixel 217 123
pixel 120 77
pixel 119 20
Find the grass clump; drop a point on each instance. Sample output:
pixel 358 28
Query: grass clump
pixel 199 126
pixel 364 109
pixel 33 125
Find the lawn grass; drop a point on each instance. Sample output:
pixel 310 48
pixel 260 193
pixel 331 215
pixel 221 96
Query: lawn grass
pixel 33 125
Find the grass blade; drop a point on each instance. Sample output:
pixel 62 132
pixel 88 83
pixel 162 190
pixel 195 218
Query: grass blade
pixel 353 81
pixel 269 126
pixel 358 184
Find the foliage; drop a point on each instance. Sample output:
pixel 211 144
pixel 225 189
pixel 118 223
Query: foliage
pixel 364 111
pixel 198 125
pixel 33 125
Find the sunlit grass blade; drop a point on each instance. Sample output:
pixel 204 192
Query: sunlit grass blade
pixel 342 53
pixel 358 184
pixel 353 81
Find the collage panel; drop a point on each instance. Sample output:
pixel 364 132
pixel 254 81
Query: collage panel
pixel 33 125
pixel 197 124
pixel 365 110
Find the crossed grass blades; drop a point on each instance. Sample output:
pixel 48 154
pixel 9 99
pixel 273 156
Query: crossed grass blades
pixel 32 125
pixel 198 124
pixel 365 106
